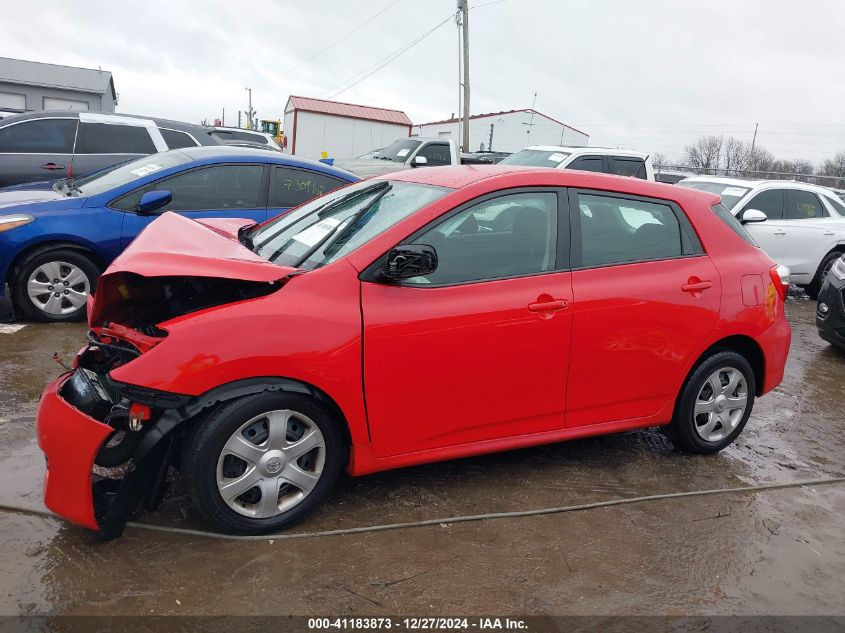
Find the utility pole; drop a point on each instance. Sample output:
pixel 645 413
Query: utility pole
pixel 754 140
pixel 463 7
pixel 250 114
pixel 490 143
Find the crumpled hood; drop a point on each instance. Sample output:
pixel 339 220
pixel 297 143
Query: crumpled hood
pixel 176 246
pixel 366 167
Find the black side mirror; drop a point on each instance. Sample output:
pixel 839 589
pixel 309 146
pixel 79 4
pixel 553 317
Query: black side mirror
pixel 153 201
pixel 410 260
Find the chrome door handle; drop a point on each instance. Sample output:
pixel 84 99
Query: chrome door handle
pixel 779 233
pixel 829 233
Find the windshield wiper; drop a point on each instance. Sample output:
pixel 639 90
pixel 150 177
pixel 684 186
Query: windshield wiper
pixel 382 188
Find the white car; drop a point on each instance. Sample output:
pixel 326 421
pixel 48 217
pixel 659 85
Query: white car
pixel 606 160
pixel 804 227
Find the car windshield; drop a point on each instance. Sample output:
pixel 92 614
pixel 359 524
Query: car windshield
pixel 536 158
pixel 124 173
pixel 398 151
pixel 730 194
pixel 334 225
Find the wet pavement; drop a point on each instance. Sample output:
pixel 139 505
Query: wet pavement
pixel 774 552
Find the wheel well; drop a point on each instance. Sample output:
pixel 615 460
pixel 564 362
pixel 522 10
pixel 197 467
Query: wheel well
pixel 43 247
pixel 744 346
pixel 249 386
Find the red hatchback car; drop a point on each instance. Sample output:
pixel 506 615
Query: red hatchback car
pixel 423 316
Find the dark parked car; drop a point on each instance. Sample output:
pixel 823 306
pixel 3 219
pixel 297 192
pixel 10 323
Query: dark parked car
pixel 830 310
pixel 55 238
pixel 48 145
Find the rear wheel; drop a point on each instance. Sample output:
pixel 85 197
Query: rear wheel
pixel 261 463
pixel 714 405
pixel 824 268
pixel 54 285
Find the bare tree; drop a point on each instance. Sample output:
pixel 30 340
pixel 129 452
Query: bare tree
pixel 834 167
pixel 736 155
pixel 705 154
pixel 761 159
pixel 659 159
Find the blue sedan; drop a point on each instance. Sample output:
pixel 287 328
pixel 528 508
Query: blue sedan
pixel 56 237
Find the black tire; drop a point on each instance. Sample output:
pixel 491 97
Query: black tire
pixel 27 307
pixel 682 430
pixel 204 445
pixel 818 281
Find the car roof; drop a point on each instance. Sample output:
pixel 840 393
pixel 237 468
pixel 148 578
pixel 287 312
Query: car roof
pixel 504 176
pixel 68 114
pixel 226 152
pixel 587 149
pixel 761 184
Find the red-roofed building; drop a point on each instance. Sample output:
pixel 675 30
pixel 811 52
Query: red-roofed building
pixel 343 130
pixel 510 131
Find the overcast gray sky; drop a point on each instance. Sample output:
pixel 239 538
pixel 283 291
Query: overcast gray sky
pixel 646 74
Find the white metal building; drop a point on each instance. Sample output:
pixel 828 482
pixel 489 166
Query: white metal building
pixel 342 130
pixel 510 131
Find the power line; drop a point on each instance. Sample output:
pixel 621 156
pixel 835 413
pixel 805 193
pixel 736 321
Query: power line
pixel 370 70
pixel 342 39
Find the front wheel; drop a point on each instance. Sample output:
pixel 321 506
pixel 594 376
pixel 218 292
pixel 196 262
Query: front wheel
pixel 54 285
pixel 824 268
pixel 261 463
pixel 714 404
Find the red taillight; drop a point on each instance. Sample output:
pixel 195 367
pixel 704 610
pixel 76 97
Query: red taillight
pixel 780 279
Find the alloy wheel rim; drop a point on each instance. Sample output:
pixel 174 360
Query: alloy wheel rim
pixel 720 404
pixel 827 268
pixel 271 463
pixel 58 288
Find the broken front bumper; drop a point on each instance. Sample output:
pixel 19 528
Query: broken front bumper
pixel 70 441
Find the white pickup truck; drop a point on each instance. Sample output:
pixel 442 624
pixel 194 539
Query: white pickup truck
pixel 404 153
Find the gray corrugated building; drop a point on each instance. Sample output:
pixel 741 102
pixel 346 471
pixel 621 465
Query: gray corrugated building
pixel 26 85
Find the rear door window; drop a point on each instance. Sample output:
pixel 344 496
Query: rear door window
pixel 215 187
pixel 624 166
pixel 769 202
pixel 587 163
pixel 614 230
pixel 39 136
pixel 291 187
pixel 804 205
pixel 107 138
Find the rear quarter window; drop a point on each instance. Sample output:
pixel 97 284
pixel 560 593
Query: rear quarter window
pixel 728 218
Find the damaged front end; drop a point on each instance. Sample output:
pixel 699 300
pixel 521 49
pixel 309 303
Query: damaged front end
pixel 109 444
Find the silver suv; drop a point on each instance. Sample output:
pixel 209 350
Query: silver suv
pixel 47 145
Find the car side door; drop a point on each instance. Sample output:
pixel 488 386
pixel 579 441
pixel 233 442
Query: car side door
pixel 478 350
pixel 771 234
pixel 36 149
pixel 809 233
pixel 644 295
pixel 291 186
pixel 236 190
